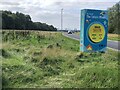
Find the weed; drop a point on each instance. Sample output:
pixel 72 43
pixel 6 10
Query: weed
pixel 71 65
pixel 4 53
pixel 37 53
pixel 58 45
pixel 34 60
pixel 50 46
pixel 79 56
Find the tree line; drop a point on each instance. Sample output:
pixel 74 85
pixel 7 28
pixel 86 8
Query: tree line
pixel 20 21
pixel 114 19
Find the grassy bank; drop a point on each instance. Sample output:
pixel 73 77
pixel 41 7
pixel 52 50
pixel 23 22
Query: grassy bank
pixel 115 37
pixel 48 59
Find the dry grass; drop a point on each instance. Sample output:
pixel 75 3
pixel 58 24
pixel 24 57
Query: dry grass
pixel 113 35
pixel 0 45
pixel 56 52
pixel 110 36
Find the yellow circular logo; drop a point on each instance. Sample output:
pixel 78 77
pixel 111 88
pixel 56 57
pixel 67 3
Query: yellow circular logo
pixel 96 33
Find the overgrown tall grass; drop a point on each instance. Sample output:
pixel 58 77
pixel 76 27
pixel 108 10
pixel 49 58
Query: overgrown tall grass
pixel 48 59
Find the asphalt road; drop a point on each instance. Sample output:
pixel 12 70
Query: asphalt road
pixel 110 44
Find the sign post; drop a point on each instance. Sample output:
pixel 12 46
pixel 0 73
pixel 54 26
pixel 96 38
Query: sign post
pixel 93 30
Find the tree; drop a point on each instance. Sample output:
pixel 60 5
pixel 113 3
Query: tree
pixel 114 18
pixel 21 21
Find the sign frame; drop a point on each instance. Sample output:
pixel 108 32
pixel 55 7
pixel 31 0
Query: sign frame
pixel 99 20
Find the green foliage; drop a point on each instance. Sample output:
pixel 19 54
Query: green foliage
pixel 20 21
pixel 114 19
pixel 45 59
pixel 97 77
pixel 4 53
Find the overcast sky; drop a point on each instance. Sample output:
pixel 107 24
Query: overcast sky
pixel 48 11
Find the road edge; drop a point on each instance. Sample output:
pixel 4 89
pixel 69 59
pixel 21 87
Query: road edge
pixel 78 40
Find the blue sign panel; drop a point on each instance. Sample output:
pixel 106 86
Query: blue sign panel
pixel 93 30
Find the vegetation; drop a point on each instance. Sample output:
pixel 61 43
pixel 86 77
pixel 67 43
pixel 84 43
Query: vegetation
pixel 20 21
pixel 114 19
pixel 48 59
pixel 114 37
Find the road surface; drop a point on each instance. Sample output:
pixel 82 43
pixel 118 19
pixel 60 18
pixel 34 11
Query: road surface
pixel 110 44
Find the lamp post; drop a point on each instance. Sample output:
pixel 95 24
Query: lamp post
pixel 62 19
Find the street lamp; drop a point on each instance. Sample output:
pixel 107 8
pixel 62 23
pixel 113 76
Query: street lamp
pixel 62 19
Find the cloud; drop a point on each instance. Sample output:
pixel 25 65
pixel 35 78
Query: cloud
pixel 9 3
pixel 48 11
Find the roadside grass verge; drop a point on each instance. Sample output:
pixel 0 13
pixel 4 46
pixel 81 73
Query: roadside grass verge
pixel 115 37
pixel 48 59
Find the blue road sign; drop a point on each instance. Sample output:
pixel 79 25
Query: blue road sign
pixel 93 30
